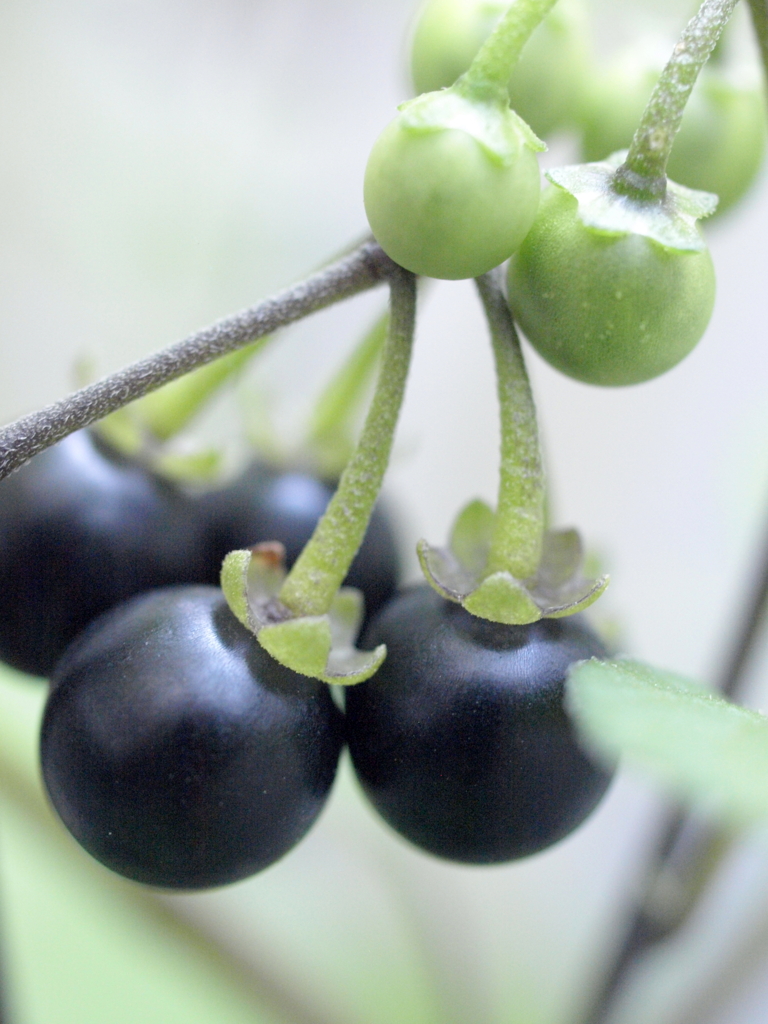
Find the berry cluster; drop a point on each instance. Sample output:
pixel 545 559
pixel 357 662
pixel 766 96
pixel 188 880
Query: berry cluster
pixel 190 737
pixel 180 754
pixel 173 747
pixel 609 278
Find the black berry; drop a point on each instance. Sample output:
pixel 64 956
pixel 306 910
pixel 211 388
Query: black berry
pixel 461 740
pixel 82 528
pixel 176 751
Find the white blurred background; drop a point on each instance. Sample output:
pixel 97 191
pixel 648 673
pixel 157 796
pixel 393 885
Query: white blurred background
pixel 166 163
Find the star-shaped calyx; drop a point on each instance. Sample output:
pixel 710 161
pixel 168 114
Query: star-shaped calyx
pixel 671 218
pixel 457 572
pixel 320 646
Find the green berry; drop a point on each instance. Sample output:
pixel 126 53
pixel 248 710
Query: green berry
pixel 608 308
pixel 441 204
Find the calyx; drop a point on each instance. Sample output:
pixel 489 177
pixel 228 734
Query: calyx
pixel 669 218
pixel 320 646
pixel 557 589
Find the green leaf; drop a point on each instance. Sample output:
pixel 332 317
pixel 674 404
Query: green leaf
pixel 702 748
pixel 189 467
pixel 168 410
pixel 122 431
pixel 332 428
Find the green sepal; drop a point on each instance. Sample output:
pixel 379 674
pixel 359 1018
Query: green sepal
pixel 560 585
pixel 301 644
pixel 164 413
pixel 233 580
pixel 470 539
pixel 189 467
pixel 502 598
pixel 122 432
pixel 699 746
pixel 494 125
pixel 320 646
pixel 558 588
pixel 577 600
pixel 561 558
pixel 331 435
pixel 305 645
pixel 670 220
pixel 444 573
pixel 125 432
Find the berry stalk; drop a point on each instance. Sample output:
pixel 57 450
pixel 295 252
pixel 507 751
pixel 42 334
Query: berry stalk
pixel 643 173
pixel 312 584
pixel 488 75
pixel 518 530
pixel 759 11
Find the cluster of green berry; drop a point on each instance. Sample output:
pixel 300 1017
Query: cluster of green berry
pixel 605 281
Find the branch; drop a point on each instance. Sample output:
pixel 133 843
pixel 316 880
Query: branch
pixel 362 269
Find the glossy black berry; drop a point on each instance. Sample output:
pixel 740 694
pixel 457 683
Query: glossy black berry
pixel 82 528
pixel 461 740
pixel 270 504
pixel 176 751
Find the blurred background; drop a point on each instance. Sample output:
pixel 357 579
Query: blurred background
pixel 167 163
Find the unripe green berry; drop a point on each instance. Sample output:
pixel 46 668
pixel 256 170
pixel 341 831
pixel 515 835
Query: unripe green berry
pixel 603 307
pixel 440 204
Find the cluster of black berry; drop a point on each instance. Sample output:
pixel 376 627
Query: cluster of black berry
pixel 174 749
pixel 180 754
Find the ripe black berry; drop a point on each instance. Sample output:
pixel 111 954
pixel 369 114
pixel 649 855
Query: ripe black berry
pixel 82 528
pixel 176 751
pixel 269 504
pixel 461 740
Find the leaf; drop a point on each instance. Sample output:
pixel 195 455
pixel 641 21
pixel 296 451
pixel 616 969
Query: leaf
pixel 189 467
pixel 702 748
